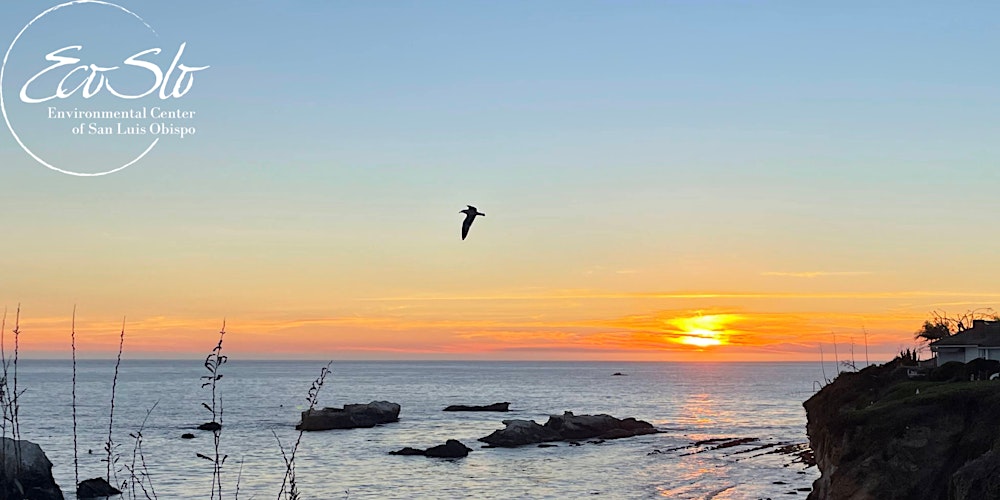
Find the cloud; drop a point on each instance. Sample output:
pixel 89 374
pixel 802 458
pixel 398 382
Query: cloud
pixel 815 274
pixel 690 295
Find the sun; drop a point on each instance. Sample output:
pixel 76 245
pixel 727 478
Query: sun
pixel 703 330
pixel 701 338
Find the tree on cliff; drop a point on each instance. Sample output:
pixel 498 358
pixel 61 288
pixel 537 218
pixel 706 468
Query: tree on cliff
pixel 941 325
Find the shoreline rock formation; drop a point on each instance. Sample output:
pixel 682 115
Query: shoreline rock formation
pixel 876 434
pixel 97 487
pixel 350 416
pixel 566 427
pixel 450 449
pixel 492 407
pixel 25 472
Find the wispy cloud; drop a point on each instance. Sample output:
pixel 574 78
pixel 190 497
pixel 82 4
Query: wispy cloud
pixel 599 295
pixel 814 274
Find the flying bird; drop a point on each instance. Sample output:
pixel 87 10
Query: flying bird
pixel 470 215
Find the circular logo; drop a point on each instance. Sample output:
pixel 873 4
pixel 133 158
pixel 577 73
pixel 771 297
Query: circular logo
pixel 144 125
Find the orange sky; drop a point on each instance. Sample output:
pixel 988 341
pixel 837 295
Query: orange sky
pixel 564 325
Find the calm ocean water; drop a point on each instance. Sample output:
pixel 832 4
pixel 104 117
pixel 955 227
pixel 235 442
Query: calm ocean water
pixel 689 401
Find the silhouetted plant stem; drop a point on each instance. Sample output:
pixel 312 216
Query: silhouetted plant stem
pixel 213 362
pixel 15 425
pixel 76 461
pixel 4 387
pixel 289 488
pixel 867 363
pixel 142 478
pixel 109 446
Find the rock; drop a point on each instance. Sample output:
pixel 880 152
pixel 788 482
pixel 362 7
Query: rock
pixel 521 432
pixel 29 478
pixel 492 407
pixel 408 451
pixel 96 488
pixel 450 449
pixel 575 427
pixel 187 435
pixel 350 416
pixel 567 427
pixel 617 374
pixel 210 426
pixel 874 436
pixel 979 478
pixel 616 434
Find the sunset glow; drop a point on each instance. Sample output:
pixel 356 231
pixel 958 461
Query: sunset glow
pixel 748 201
pixel 702 338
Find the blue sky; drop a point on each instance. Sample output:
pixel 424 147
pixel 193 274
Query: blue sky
pixel 624 146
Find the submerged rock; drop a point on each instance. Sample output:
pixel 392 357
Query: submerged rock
pixel 408 451
pixel 25 472
pixel 450 449
pixel 350 416
pixel 187 435
pixel 492 407
pixel 96 488
pixel 210 426
pixel 566 427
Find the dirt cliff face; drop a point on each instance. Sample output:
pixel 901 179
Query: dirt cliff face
pixel 878 435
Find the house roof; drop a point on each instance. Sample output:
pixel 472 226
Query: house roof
pixel 983 334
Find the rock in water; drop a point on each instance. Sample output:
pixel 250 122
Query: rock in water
pixel 450 449
pixel 210 426
pixel 492 407
pixel 350 416
pixel 567 427
pixel 31 479
pixel 521 432
pixel 96 488
pixel 409 451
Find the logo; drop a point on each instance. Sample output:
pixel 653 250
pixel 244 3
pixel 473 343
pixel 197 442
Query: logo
pixel 102 96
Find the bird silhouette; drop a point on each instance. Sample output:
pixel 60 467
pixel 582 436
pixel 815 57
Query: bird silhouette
pixel 470 215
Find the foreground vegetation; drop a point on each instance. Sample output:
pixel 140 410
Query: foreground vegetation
pixel 128 475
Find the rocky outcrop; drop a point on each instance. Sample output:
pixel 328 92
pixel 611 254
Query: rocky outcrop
pixel 96 488
pixel 878 435
pixel 521 432
pixel 350 416
pixel 450 449
pixel 25 472
pixel 210 426
pixel 492 407
pixel 566 427
pixel 979 478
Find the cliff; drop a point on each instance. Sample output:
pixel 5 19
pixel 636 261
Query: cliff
pixel 878 435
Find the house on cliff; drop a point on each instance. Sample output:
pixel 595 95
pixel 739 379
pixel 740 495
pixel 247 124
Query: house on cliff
pixel 980 341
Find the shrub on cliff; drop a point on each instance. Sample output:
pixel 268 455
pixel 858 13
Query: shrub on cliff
pixel 950 371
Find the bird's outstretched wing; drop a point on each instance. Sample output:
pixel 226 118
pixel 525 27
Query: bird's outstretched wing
pixel 466 224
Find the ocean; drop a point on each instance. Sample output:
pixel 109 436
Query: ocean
pixel 689 402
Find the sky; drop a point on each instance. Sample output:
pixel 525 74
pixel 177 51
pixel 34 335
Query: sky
pixel 663 181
